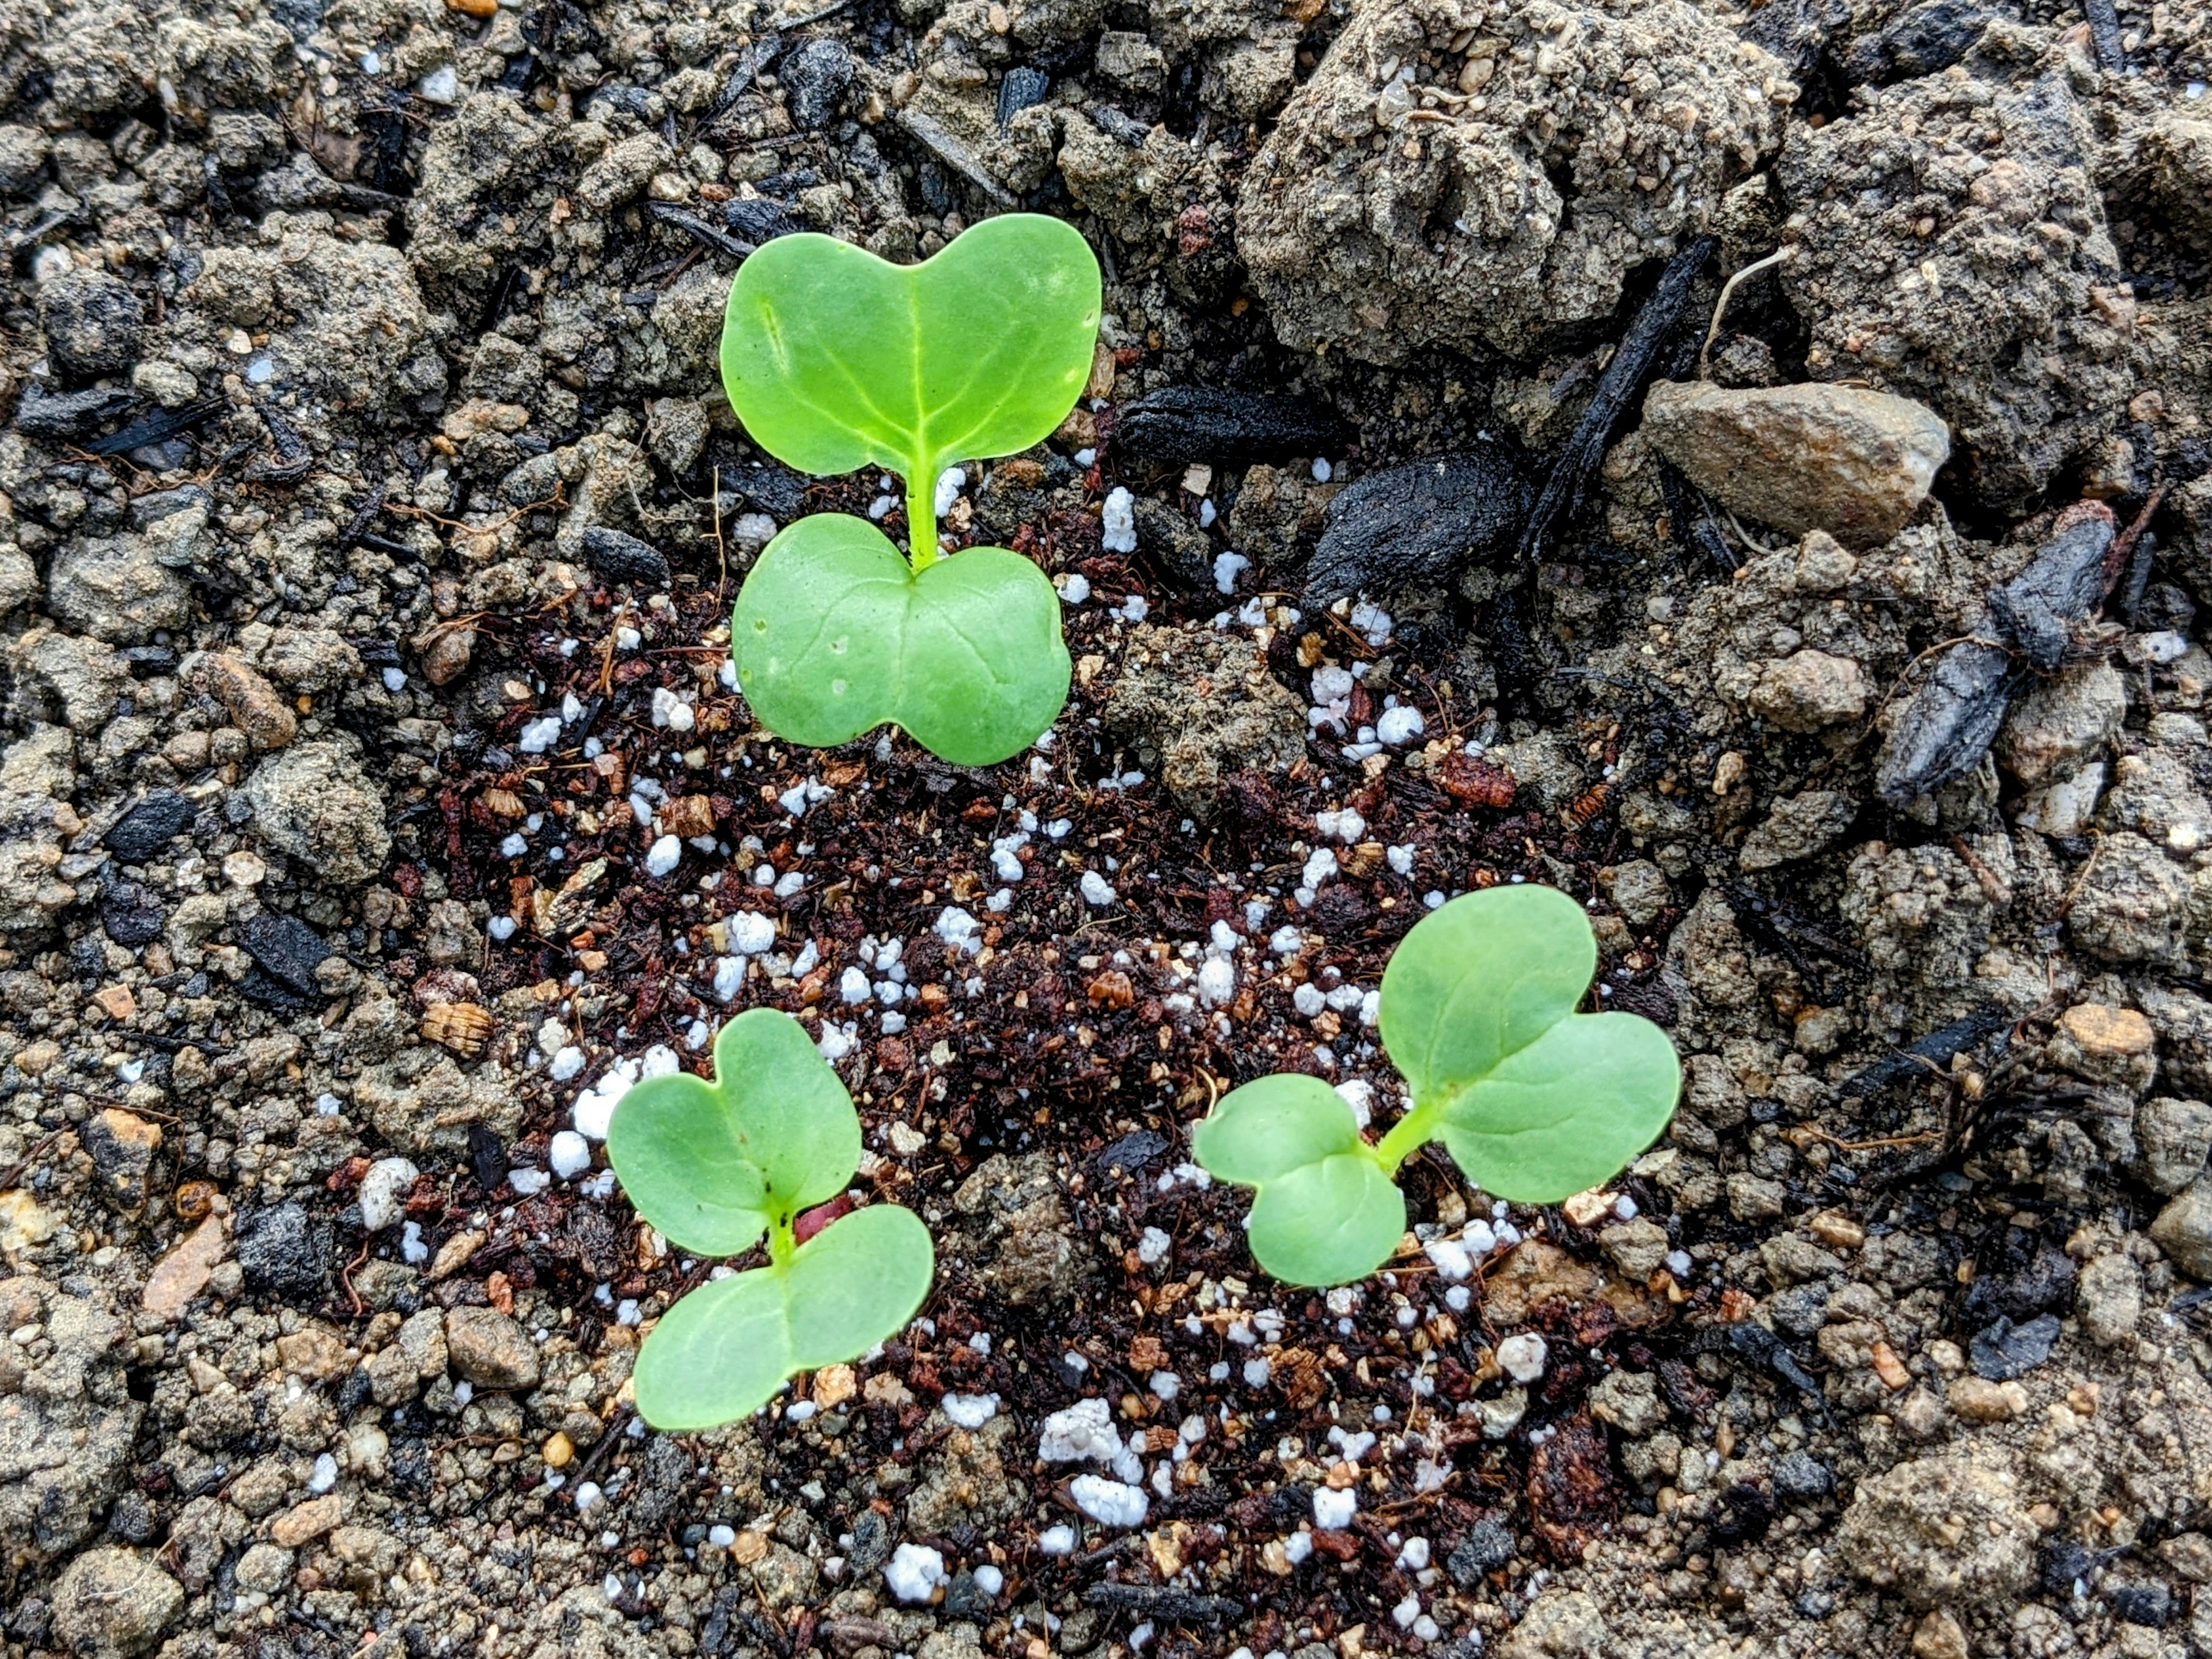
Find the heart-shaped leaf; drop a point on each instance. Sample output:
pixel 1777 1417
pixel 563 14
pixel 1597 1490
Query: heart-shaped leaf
pixel 1325 1210
pixel 713 1166
pixel 1534 1101
pixel 835 359
pixel 833 634
pixel 723 1351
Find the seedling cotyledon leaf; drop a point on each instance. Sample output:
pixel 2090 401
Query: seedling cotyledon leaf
pixel 1534 1101
pixel 716 1167
pixel 836 359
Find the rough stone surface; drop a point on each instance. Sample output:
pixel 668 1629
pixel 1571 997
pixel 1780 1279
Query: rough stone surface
pixel 1951 1529
pixel 312 802
pixel 1015 1229
pixel 113 1603
pixel 67 1421
pixel 1811 457
pixel 1518 213
pixel 2006 314
pixel 490 1350
pixel 1201 706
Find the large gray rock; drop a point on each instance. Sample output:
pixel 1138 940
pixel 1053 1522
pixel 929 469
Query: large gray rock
pixel 1951 246
pixel 93 323
pixel 116 588
pixel 2061 722
pixel 67 1419
pixel 2174 1137
pixel 490 1350
pixel 1570 149
pixel 112 1603
pixel 2131 904
pixel 311 802
pixel 1813 457
pixel 1797 827
pixel 2184 1229
pixel 1946 1530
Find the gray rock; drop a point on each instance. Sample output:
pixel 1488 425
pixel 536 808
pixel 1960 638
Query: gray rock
pixel 2020 343
pixel 1463 239
pixel 2132 904
pixel 1949 1530
pixel 38 775
pixel 2174 1136
pixel 1853 463
pixel 311 802
pixel 2184 1229
pixel 67 1422
pixel 112 1603
pixel 2154 793
pixel 95 324
pixel 1809 692
pixel 1639 888
pixel 2182 1021
pixel 2059 723
pixel 116 588
pixel 420 1102
pixel 490 1350
pixel 1802 1478
pixel 1797 827
pixel 1016 1231
pixel 2109 1299
pixel 1630 1401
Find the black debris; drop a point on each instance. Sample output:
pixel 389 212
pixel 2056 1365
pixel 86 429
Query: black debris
pixel 759 219
pixel 487 1157
pixel 1488 1546
pixel 1131 1152
pixel 1186 423
pixel 286 948
pixel 1925 40
pixel 1763 1348
pixel 148 827
pixel 815 77
pixel 2148 1604
pixel 1121 128
pixel 1928 1056
pixel 156 428
pixel 1617 389
pixel 71 414
pixel 2004 1351
pixel 131 915
pixel 2035 612
pixel 2105 36
pixel 1943 733
pixel 616 558
pixel 697 228
pixel 1023 88
pixel 1419 523
pixel 1165 1606
pixel 279 1250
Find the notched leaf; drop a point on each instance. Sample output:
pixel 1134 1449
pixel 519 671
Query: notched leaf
pixel 1534 1102
pixel 1324 1211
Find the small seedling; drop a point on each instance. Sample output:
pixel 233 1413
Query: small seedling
pixel 715 1166
pixel 1534 1101
pixel 835 360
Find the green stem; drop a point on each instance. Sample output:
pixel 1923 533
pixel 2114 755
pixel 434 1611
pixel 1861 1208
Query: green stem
pixel 781 1243
pixel 921 521
pixel 1407 1136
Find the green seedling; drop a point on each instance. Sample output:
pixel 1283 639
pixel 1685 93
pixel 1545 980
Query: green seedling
pixel 835 360
pixel 1534 1101
pixel 716 1166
